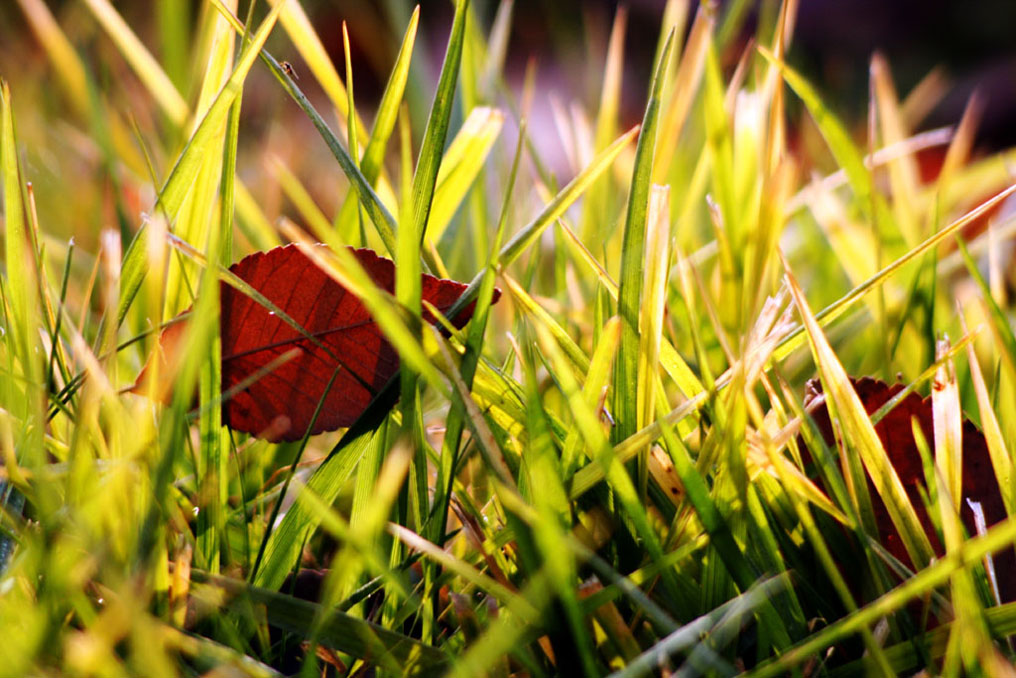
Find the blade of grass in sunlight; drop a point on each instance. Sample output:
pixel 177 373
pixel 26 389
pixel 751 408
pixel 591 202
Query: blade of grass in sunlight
pixel 471 358
pixel 181 179
pixel 797 338
pixel 632 254
pixel 586 478
pixel 594 207
pixel 307 42
pixel 460 165
pixel 68 64
pixel 372 162
pixel 864 442
pixel 379 215
pixel 529 234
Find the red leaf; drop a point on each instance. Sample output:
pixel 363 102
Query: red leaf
pixel 896 434
pixel 281 404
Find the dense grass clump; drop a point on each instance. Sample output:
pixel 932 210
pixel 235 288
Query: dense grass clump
pixel 611 470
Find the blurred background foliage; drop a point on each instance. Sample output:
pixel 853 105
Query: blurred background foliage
pixel 963 47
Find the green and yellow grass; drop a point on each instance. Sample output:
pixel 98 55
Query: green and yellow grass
pixel 599 474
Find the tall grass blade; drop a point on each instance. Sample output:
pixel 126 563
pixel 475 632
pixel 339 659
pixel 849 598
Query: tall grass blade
pixel 626 383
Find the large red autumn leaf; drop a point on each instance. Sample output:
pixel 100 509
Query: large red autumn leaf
pixel 896 433
pixel 280 404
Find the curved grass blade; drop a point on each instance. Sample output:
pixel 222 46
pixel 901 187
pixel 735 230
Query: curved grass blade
pixel 796 338
pixel 283 548
pixel 863 441
pixel 300 30
pixel 461 164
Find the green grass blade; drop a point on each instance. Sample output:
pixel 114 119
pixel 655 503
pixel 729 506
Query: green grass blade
pixel 379 215
pixel 297 25
pixel 141 60
pixel 460 166
pixel 432 147
pixel 632 253
pixel 372 162
pixel 181 179
pixel 858 429
pixel 796 339
pixel 530 233
pixel 283 549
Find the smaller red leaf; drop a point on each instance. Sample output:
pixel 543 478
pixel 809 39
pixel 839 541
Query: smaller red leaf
pixel 896 433
pixel 280 404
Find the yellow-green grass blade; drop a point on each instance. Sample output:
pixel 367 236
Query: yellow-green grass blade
pixel 307 42
pixel 531 307
pixel 351 127
pixel 685 83
pixel 632 252
pixel 252 222
pixel 516 604
pixel 461 164
pixel 432 147
pixel 199 225
pixel 903 176
pixel 297 193
pixel 414 216
pixel 904 656
pixel 797 338
pixel 1001 461
pixel 372 162
pixel 471 358
pixel 20 244
pixel 799 501
pixel 489 449
pixel 657 267
pixel 860 438
pixel 66 61
pixel 969 642
pixel 541 476
pixel 672 362
pixel 725 215
pixel 843 149
pixel 599 448
pixel 22 392
pixel 185 171
pixel 379 214
pixel 141 60
pixel 283 548
pixel 530 233
pixel 594 390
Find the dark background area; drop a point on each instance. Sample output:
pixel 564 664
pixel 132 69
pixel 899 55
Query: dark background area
pixel 973 43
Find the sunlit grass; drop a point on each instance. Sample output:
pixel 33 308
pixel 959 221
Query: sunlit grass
pixel 603 472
